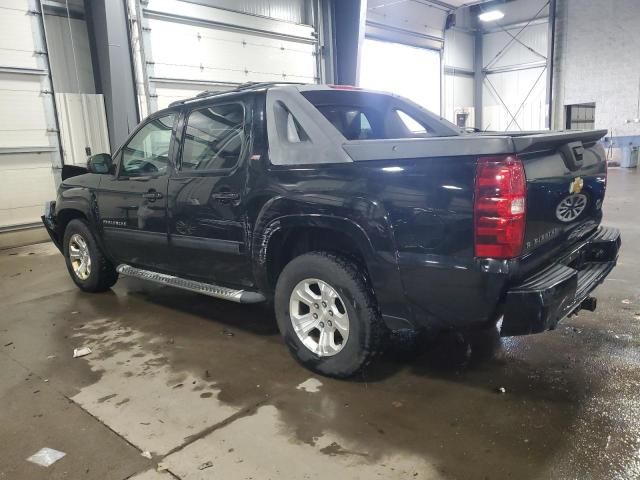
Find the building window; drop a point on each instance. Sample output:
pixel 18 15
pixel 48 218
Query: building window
pixel 580 117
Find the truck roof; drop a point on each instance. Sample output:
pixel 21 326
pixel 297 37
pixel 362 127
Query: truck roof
pixel 262 86
pixel 244 87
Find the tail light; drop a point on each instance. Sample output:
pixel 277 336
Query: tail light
pixel 499 207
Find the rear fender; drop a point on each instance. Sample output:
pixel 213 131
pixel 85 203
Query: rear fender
pixel 379 259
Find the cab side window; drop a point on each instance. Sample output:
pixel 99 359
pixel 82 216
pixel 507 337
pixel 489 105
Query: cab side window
pixel 213 138
pixel 147 153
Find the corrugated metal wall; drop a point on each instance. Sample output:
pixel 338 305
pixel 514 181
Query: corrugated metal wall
pixel 514 86
pixel 29 148
pixel 296 11
pixel 458 85
pixel 406 21
pixel 187 48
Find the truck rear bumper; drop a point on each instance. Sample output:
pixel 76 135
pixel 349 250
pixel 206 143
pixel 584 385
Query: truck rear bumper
pixel 539 302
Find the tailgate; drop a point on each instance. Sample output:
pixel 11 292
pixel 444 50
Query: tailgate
pixel 566 181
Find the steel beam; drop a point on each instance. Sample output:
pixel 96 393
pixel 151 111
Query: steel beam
pixel 515 26
pixel 19 150
pixel 24 71
pixel 460 72
pixel 349 26
pixel 439 4
pixel 109 37
pixel 514 38
pixel 326 42
pixel 515 68
pixel 478 77
pixel 551 40
pixel 525 100
pixel 402 31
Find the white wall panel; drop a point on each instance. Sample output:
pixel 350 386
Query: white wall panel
pixel 62 51
pixel 459 49
pixel 458 97
pixel 515 83
pixel 215 55
pixel 195 48
pixel 598 60
pixel 513 88
pixel 23 120
pixel 168 92
pixel 288 10
pixel 28 140
pixel 26 185
pixel 524 10
pixel 83 123
pixel 408 71
pixel 17 42
pixel 408 15
pixel 534 36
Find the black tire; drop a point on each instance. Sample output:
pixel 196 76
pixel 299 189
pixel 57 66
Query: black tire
pixel 367 331
pixel 102 275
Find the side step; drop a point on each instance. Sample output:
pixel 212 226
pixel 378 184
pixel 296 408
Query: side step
pixel 239 296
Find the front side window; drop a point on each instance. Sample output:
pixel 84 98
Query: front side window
pixel 147 153
pixel 213 138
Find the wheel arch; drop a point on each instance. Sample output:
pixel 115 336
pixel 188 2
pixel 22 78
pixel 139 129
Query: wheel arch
pixel 294 235
pixel 65 215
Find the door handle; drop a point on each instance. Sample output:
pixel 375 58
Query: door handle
pixel 225 197
pixel 152 195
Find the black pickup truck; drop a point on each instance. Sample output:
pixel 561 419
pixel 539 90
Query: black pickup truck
pixel 355 213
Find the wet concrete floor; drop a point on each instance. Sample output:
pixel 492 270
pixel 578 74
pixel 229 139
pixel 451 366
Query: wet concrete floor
pixel 209 391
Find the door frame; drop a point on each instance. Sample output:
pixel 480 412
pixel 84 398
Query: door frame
pixel 221 246
pixel 116 177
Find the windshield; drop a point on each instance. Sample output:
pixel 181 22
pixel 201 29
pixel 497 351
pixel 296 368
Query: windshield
pixel 361 115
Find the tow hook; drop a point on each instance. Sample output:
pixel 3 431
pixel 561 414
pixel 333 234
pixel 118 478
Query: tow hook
pixel 589 303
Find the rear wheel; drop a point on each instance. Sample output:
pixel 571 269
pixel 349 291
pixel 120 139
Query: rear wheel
pixel 88 267
pixel 327 315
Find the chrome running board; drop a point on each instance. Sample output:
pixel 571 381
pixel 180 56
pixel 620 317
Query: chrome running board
pixel 239 296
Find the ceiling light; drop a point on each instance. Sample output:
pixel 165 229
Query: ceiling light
pixel 491 15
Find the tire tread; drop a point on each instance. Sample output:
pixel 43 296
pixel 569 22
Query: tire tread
pixel 106 276
pixel 373 349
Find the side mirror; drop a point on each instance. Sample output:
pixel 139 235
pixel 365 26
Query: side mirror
pixel 101 163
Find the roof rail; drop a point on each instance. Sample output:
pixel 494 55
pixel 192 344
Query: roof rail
pixel 238 88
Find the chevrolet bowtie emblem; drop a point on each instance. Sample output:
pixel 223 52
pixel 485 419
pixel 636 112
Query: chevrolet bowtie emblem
pixel 576 185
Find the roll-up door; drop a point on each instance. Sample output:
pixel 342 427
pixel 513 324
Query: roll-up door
pixel 29 148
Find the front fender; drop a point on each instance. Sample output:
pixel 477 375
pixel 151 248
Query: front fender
pixel 74 200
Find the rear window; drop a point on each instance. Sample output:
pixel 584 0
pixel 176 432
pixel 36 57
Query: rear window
pixel 360 115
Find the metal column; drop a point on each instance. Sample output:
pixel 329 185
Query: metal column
pixel 550 54
pixel 109 37
pixel 478 76
pixel 349 19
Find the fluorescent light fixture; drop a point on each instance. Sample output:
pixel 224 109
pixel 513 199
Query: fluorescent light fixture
pixel 393 169
pixel 491 16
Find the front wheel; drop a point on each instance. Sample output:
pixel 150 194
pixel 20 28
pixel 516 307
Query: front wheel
pixel 327 315
pixel 88 267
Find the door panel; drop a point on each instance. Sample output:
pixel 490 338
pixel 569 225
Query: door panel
pixel 133 202
pixel 207 221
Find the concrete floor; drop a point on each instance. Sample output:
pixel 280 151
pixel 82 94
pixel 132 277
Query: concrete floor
pixel 193 380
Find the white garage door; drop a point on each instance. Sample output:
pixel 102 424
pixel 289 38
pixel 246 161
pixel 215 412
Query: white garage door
pixel 189 48
pixel 29 146
pixel 409 71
